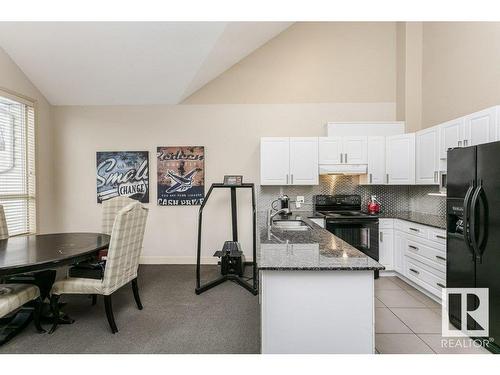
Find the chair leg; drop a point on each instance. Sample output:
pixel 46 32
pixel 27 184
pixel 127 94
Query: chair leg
pixel 109 313
pixel 54 308
pixel 94 299
pixel 37 313
pixel 135 289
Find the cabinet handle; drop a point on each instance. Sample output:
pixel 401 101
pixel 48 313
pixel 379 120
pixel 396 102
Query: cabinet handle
pixel 341 158
pixel 440 257
pixel 292 178
pixel 345 158
pixel 414 229
pixel 413 247
pixel 435 177
pixel 440 237
pixel 414 271
pixel 381 236
pixel 371 179
pixel 440 285
pixel 459 143
pixel 466 141
pixel 387 177
pixel 287 178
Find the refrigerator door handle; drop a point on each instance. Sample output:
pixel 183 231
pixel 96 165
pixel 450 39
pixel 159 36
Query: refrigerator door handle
pixel 473 225
pixel 478 199
pixel 467 238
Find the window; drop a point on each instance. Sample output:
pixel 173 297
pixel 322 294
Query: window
pixel 17 163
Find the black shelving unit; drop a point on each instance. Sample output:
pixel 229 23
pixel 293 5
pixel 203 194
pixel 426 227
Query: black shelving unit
pixel 251 287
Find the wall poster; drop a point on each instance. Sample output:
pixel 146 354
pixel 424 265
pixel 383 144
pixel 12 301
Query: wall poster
pixel 123 173
pixel 181 175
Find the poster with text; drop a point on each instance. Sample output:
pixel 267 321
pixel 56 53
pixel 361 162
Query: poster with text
pixel 181 175
pixel 123 173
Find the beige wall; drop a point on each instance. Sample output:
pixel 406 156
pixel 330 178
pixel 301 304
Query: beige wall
pixel 12 79
pixel 461 69
pixel 329 62
pixel 231 135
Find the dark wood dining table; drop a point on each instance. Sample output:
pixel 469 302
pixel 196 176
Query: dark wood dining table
pixel 39 255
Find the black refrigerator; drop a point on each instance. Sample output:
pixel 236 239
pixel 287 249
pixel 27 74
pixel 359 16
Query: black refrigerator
pixel 473 230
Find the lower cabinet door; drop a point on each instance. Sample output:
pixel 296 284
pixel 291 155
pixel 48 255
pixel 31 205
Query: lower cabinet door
pixel 400 244
pixel 386 248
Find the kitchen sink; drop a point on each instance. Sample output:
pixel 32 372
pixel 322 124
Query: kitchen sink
pixel 291 225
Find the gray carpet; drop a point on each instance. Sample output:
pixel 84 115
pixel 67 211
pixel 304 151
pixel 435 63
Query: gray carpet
pixel 225 319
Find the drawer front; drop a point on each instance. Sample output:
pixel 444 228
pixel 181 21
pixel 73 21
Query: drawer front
pixel 414 229
pixel 431 256
pixel 419 273
pixel 437 235
pixel 386 223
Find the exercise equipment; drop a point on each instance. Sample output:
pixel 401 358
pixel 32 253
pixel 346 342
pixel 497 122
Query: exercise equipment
pixel 232 261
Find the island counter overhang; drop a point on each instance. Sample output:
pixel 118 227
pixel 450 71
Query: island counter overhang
pixel 316 292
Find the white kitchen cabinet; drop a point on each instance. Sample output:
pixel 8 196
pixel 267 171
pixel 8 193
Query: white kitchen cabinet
pixel 451 136
pixel 330 150
pixel 400 245
pixel 386 248
pixel 304 161
pixel 480 127
pixel 427 156
pixel 274 161
pixel 376 162
pixel 400 159
pixel 289 161
pixel 343 150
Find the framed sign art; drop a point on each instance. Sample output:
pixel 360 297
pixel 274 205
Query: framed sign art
pixel 123 173
pixel 181 175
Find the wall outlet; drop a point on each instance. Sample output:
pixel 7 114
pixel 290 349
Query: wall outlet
pixel 299 200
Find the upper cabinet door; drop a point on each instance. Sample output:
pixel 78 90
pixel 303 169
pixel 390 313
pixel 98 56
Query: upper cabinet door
pixel 480 127
pixel 275 161
pixel 355 150
pixel 427 150
pixel 451 136
pixel 400 159
pixel 330 150
pixel 304 161
pixel 376 161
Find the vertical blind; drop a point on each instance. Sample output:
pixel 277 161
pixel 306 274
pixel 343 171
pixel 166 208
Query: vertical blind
pixel 17 164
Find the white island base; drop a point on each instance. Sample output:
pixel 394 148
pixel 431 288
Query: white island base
pixel 317 312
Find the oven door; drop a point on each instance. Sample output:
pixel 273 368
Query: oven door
pixel 362 234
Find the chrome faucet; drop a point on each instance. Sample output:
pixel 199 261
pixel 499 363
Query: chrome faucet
pixel 271 215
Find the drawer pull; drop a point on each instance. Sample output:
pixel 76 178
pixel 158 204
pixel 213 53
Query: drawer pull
pixel 440 257
pixel 413 247
pixel 440 237
pixel 414 229
pixel 414 271
pixel 440 285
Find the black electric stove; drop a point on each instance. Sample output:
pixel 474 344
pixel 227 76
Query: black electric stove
pixel 345 219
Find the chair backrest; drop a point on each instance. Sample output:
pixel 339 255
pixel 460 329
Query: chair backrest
pixel 4 230
pixel 110 209
pixel 125 247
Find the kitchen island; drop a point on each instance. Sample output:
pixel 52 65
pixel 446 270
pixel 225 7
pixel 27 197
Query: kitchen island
pixel 316 290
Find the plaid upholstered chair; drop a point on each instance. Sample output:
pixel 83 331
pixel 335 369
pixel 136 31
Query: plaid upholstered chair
pixel 110 209
pixel 121 265
pixel 14 296
pixel 4 230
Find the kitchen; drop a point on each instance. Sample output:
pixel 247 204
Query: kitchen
pixel 341 169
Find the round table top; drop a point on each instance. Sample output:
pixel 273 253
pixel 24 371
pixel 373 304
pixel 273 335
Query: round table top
pixel 22 254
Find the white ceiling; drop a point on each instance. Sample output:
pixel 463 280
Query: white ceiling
pixel 126 63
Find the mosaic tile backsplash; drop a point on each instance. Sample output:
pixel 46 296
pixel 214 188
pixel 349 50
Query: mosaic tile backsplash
pixel 393 198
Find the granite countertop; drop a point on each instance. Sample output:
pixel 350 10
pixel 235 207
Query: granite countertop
pixel 314 249
pixel 435 221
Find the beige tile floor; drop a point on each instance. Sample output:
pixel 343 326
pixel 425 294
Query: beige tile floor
pixel 409 322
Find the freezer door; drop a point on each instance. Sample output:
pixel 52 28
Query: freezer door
pixel 461 170
pixel 486 204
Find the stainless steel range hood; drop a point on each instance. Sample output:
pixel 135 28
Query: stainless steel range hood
pixel 343 169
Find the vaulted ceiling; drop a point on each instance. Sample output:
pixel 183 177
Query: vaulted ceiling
pixel 129 63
